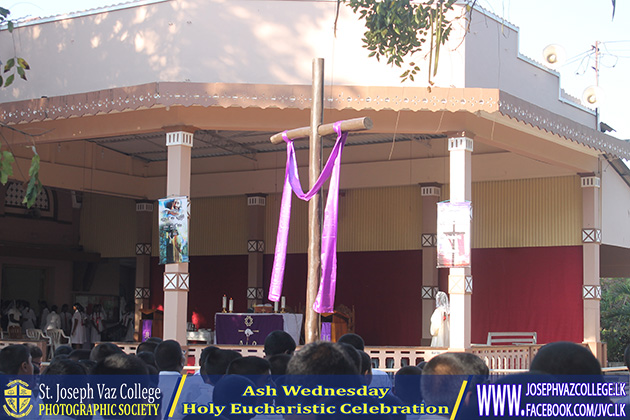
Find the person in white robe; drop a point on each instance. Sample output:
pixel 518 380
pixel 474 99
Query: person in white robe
pixel 440 321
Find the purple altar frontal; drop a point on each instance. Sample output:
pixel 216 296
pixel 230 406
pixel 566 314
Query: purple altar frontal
pixel 251 329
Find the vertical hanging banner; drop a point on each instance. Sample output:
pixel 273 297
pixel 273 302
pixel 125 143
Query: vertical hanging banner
pixel 173 225
pixel 453 234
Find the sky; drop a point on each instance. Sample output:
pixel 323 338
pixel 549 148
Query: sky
pixel 575 25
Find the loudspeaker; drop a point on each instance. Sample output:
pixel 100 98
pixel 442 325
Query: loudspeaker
pixel 554 55
pixel 593 96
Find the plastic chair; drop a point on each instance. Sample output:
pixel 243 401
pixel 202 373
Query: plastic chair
pixel 58 338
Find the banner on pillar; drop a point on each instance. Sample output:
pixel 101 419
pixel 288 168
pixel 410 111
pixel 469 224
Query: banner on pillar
pixel 453 234
pixel 173 225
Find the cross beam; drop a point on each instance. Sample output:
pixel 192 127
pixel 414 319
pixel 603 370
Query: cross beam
pixel 314 132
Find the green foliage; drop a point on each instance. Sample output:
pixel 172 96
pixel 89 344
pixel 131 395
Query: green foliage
pixel 34 186
pixel 15 64
pixel 397 29
pixel 6 166
pixel 615 316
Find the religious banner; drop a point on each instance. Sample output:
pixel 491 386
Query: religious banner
pixel 173 226
pixel 453 234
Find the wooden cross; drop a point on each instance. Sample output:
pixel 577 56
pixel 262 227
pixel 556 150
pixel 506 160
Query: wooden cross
pixel 315 131
pixel 453 238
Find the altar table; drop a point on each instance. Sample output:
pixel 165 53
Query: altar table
pixel 251 329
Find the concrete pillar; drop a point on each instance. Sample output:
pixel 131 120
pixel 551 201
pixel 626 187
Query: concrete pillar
pixel 430 196
pixel 144 217
pixel 591 240
pixel 176 279
pixel 255 247
pixel 460 148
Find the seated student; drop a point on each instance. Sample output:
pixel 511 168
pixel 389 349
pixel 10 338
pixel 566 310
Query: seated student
pixel 102 350
pixel 204 356
pixel 170 361
pixel 250 365
pixel 36 357
pixel 279 342
pixel 79 354
pixel 216 364
pixel 380 379
pixel 442 377
pixel 16 360
pixel 229 390
pixel 254 368
pixel 148 346
pixel 321 358
pixel 278 363
pixel 565 358
pixel 63 349
pixel 407 384
pixel 64 367
pixel 127 365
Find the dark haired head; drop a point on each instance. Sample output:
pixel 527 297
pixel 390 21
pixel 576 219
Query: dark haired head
pixel 65 367
pixel 147 346
pixel 278 342
pixel 353 354
pixel 63 349
pixel 169 356
pixel 79 354
pixel 278 363
pixel 321 358
pixel 565 358
pixel 354 340
pixel 101 351
pixel 407 384
pixel 16 359
pixel 250 365
pixel 230 389
pixel 120 364
pixel 218 360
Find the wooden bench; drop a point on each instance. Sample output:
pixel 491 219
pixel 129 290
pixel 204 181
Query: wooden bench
pixel 511 338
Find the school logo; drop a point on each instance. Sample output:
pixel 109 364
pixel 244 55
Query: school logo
pixel 17 398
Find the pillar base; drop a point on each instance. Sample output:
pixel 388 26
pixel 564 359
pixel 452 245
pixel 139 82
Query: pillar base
pixel 599 350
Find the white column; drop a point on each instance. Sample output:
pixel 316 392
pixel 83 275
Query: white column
pixel 176 280
pixel 255 248
pixel 591 240
pixel 460 279
pixel 430 196
pixel 144 217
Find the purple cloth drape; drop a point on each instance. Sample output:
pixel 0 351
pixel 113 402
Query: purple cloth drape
pixel 326 294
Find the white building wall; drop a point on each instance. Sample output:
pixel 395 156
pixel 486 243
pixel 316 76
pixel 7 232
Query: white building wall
pixel 259 42
pixel 615 208
pixel 493 61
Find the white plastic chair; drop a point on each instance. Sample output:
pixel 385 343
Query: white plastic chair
pixel 58 338
pixel 37 334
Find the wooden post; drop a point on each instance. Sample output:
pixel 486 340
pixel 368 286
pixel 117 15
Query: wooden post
pixel 314 132
pixel 311 319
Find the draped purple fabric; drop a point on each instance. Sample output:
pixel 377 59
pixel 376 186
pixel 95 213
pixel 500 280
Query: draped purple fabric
pixel 326 294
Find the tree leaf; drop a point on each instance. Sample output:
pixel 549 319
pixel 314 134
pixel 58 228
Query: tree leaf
pixel 9 80
pixel 6 166
pixel 9 65
pixel 22 63
pixel 34 169
pixel 10 26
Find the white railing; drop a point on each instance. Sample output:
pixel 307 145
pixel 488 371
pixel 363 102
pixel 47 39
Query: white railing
pixel 499 359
